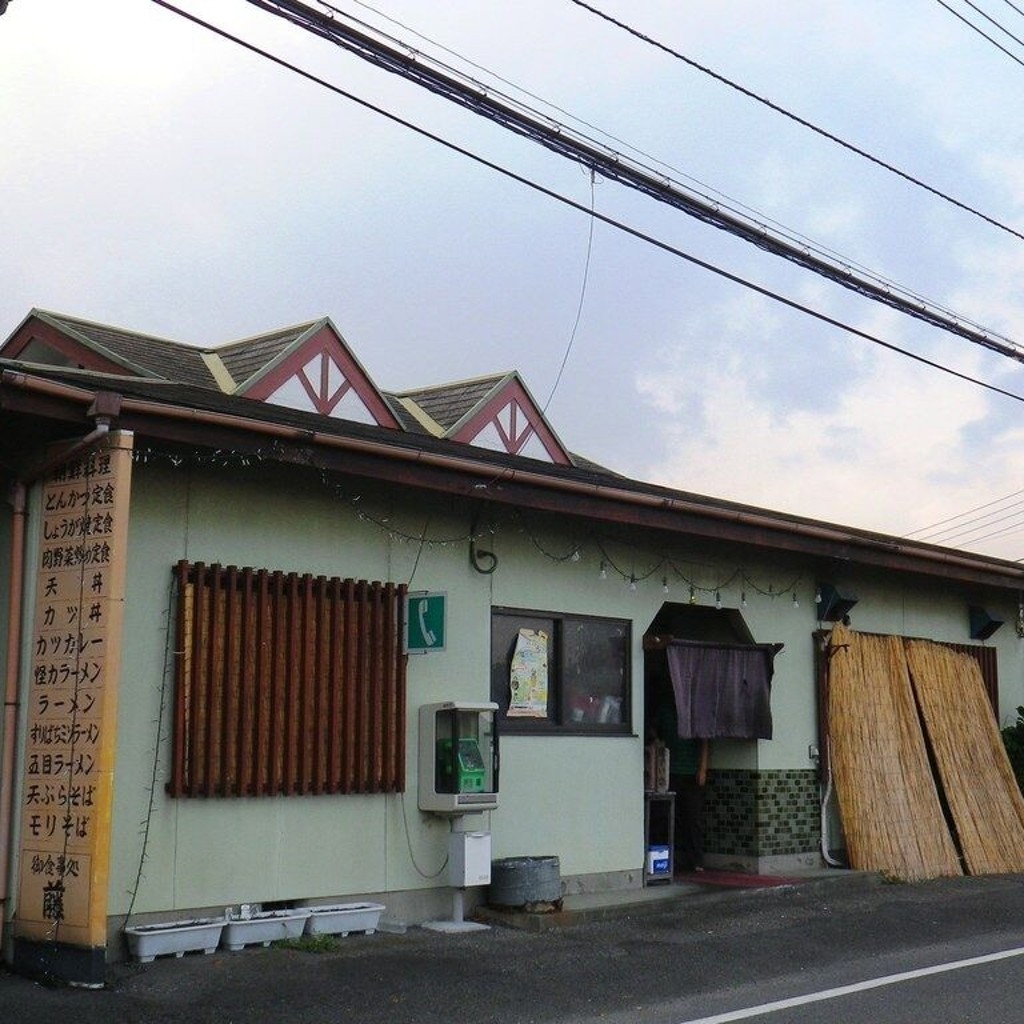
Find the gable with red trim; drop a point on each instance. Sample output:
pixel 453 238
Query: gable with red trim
pixel 508 420
pixel 318 373
pixel 50 341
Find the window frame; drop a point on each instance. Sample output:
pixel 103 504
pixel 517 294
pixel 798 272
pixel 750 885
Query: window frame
pixel 557 721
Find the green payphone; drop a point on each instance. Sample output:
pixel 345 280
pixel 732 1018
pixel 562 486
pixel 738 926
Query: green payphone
pixel 460 766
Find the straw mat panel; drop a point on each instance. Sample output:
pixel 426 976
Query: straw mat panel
pixel 984 800
pixel 890 809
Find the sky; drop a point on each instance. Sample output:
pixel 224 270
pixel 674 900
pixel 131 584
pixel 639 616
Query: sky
pixel 156 177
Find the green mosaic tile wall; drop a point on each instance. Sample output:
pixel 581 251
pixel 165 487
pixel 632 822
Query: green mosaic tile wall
pixel 761 814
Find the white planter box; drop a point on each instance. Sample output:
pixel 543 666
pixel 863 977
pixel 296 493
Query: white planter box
pixel 264 928
pixel 146 942
pixel 342 918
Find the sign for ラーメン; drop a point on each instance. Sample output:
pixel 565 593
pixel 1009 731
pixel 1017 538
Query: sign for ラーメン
pixel 72 702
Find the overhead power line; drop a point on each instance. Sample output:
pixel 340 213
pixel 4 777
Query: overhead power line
pixel 934 527
pixel 580 207
pixel 992 21
pixel 973 520
pixel 976 534
pixel 824 133
pixel 559 138
pixel 984 35
pixel 982 523
pixel 709 191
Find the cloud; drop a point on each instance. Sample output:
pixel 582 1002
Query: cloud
pixel 897 449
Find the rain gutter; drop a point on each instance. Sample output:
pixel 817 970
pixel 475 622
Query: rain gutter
pixel 543 481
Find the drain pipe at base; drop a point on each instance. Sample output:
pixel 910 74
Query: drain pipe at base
pixel 826 848
pixel 12 676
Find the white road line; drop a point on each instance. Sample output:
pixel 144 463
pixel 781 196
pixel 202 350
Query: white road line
pixel 860 986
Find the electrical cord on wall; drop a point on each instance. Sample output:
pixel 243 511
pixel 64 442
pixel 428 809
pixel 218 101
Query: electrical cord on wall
pixel 408 843
pixel 145 824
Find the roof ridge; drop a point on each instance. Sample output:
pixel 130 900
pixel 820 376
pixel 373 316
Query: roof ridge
pixel 304 326
pixel 502 375
pixel 81 321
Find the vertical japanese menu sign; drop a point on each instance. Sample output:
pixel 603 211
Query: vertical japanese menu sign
pixel 72 705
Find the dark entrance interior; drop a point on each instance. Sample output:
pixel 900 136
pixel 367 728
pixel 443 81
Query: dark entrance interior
pixel 679 823
pixel 683 622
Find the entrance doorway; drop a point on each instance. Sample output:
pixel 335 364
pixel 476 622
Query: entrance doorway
pixel 688 756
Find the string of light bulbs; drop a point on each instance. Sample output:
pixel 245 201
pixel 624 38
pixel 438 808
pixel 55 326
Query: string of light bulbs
pixel 672 572
pixel 221 458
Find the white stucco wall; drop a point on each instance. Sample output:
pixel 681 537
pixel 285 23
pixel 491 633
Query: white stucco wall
pixel 579 797
pixel 207 852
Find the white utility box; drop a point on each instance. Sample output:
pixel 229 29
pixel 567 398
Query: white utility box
pixel 469 859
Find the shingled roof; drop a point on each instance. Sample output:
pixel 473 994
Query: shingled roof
pixel 252 365
pixel 244 359
pixel 141 354
pixel 447 404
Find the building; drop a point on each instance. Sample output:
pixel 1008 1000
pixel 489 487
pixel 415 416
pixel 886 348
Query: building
pixel 204 566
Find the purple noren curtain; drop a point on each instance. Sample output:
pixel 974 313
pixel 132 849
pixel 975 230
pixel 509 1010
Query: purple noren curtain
pixel 722 691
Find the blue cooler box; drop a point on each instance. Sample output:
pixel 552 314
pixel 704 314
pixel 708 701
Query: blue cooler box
pixel 657 860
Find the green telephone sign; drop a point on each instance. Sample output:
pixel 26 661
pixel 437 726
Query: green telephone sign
pixel 425 614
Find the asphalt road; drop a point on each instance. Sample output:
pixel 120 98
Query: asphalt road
pixel 708 957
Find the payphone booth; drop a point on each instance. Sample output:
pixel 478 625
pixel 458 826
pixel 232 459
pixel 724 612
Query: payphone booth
pixel 458 758
pixel 458 777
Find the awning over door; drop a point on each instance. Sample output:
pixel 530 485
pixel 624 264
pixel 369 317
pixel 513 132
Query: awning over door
pixel 722 691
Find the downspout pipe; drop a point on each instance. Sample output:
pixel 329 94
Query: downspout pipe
pixel 826 846
pixel 102 410
pixel 12 675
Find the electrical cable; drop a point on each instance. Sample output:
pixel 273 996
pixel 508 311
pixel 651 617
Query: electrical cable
pixel 583 295
pixel 956 533
pixel 604 218
pixel 419 551
pixel 800 120
pixel 933 528
pixel 732 201
pixel 971 25
pixel 992 21
pixel 418 68
pixel 1003 532
pixel 729 200
pixel 408 843
pixel 145 826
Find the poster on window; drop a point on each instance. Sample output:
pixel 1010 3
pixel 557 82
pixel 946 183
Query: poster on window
pixel 528 697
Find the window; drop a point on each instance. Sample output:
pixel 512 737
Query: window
pixel 560 673
pixel 286 684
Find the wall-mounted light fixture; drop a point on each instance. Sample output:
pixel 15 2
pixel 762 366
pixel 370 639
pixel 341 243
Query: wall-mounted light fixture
pixel 982 624
pixel 835 604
